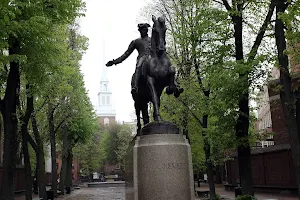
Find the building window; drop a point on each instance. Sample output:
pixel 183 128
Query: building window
pixel 105 87
pixel 103 100
pixel 106 121
pixel 107 100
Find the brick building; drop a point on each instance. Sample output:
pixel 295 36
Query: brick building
pixel 75 169
pixel 279 127
pixel 272 166
pixel 48 167
pixel 270 112
pixel 264 123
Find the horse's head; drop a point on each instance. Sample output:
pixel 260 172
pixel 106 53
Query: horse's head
pixel 158 42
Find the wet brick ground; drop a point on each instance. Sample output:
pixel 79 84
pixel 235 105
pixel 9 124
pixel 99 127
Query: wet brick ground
pixel 113 193
pixel 118 193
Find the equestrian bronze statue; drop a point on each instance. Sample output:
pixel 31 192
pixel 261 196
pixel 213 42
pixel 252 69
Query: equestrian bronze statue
pixel 155 73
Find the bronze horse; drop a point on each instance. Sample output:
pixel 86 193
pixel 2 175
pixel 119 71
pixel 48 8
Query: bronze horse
pixel 157 73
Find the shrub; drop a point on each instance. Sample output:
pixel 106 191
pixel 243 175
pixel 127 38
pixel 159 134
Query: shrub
pixel 245 197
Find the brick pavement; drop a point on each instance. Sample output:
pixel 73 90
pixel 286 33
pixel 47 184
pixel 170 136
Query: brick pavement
pixel 110 193
pixel 118 193
pixel 260 196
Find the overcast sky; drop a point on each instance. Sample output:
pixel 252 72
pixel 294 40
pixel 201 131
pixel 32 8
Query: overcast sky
pixel 110 26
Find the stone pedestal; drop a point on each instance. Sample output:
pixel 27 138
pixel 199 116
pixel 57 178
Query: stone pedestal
pixel 159 165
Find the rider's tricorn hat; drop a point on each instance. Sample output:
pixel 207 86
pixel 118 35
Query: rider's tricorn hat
pixel 143 25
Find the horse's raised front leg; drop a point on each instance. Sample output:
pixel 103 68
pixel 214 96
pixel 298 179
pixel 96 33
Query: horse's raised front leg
pixel 155 98
pixel 138 118
pixel 173 87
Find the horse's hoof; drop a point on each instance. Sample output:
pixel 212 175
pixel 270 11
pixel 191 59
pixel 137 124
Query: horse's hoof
pixel 134 91
pixel 176 94
pixel 168 91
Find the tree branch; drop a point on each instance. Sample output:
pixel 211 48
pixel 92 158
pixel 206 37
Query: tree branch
pixel 270 35
pixel 261 32
pixel 35 128
pixel 226 4
pixel 219 2
pixel 32 142
pixel 26 117
pixel 246 5
pixel 55 106
pixel 5 68
pixel 29 105
pixel 43 104
pixel 194 115
pixel 205 92
pixel 61 123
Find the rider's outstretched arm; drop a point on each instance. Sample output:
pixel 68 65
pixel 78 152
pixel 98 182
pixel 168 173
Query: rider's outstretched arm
pixel 127 53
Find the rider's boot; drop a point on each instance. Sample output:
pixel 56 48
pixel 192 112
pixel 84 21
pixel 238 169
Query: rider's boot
pixel 134 89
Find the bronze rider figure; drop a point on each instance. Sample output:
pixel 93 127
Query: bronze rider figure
pixel 143 46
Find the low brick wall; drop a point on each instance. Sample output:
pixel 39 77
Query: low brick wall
pixel 272 167
pixel 19 177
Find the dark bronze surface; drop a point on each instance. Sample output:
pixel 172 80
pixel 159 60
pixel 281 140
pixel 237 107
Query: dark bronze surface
pixel 160 128
pixel 153 70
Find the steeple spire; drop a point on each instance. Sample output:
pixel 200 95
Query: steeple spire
pixel 104 74
pixel 105 109
pixel 104 77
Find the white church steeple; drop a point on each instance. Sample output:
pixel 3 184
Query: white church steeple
pixel 105 106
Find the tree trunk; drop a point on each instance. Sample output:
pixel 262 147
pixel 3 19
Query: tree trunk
pixel 218 175
pixel 1 140
pixel 10 119
pixel 19 160
pixel 28 177
pixel 35 184
pixel 53 148
pixel 41 174
pixel 64 156
pixel 208 162
pixel 286 94
pixel 242 125
pixel 25 138
pixel 69 174
pixel 209 165
pixel 63 174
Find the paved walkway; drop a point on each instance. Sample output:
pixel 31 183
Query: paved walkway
pixel 230 194
pixel 113 193
pixel 118 193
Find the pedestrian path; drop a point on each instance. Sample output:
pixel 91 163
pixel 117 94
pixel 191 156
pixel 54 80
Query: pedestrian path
pixel 110 193
pixel 220 190
pixel 118 193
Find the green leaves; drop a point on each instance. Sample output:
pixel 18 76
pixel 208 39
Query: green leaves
pixel 202 47
pixel 108 145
